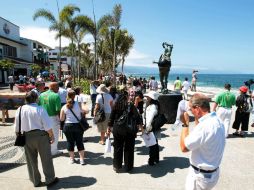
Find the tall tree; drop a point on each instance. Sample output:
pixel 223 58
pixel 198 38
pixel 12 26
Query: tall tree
pixel 57 24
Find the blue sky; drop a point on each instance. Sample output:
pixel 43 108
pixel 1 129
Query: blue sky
pixel 213 36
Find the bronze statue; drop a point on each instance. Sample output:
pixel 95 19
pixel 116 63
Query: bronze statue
pixel 164 65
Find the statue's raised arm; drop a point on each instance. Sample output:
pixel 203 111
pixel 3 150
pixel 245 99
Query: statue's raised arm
pixel 164 65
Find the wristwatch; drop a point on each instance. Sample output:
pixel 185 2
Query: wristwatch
pixel 184 125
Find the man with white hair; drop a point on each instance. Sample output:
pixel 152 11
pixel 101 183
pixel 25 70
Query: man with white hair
pixel 206 143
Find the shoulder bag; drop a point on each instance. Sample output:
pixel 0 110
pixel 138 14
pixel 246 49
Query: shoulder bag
pixel 100 115
pixel 82 122
pixel 158 121
pixel 20 138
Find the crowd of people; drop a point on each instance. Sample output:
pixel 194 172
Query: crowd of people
pixel 61 107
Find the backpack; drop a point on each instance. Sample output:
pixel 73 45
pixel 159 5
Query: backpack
pixel 125 125
pixel 245 104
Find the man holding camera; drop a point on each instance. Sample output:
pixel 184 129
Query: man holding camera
pixel 206 143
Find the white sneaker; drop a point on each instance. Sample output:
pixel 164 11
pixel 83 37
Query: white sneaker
pixel 71 161
pixel 82 162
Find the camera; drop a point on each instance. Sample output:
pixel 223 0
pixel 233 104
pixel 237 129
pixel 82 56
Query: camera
pixel 249 83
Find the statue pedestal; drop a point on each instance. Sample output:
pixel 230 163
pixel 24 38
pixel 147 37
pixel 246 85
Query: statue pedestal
pixel 168 105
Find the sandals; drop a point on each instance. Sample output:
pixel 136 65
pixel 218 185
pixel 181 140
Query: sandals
pixel 102 142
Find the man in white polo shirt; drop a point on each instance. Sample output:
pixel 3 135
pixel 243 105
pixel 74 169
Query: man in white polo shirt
pixel 206 143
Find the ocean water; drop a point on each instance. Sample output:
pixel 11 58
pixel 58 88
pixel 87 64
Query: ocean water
pixel 208 80
pixel 210 83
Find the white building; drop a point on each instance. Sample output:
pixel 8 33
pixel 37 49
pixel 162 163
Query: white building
pixel 23 52
pixel 66 62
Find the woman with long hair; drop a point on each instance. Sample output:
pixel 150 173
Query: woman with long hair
pixel 72 128
pixel 124 136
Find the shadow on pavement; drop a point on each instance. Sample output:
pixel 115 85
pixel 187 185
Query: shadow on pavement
pixel 249 135
pixel 98 159
pixel 8 122
pixel 143 150
pixel 167 165
pixel 74 182
pixel 9 166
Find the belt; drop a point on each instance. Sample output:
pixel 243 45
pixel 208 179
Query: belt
pixel 33 131
pixel 225 107
pixel 203 171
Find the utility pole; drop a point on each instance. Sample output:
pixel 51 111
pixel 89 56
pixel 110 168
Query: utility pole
pixel 95 69
pixel 60 42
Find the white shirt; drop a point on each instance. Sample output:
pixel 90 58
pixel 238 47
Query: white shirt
pixel 21 77
pixel 32 117
pixel 80 98
pixel 92 89
pixel 107 99
pixel 151 111
pixel 63 94
pixel 153 85
pixel 186 85
pixel 206 142
pixel 69 117
pixel 11 79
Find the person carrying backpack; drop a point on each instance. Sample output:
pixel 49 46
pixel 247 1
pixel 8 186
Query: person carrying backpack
pixel 124 119
pixel 242 114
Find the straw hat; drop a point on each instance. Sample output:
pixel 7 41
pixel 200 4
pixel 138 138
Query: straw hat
pixel 102 89
pixel 243 89
pixel 152 94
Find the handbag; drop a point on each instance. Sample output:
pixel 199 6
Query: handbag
pixel 158 121
pixel 100 115
pixel 20 138
pixel 82 122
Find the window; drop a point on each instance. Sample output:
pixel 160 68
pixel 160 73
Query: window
pixel 9 51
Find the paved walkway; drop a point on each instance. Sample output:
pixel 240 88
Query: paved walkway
pixel 236 169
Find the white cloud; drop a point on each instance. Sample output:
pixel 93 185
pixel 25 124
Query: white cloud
pixel 43 35
pixel 136 58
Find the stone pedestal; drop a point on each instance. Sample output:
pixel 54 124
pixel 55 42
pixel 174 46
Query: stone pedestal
pixel 168 105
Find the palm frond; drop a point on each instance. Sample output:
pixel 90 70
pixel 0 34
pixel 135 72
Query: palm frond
pixel 44 14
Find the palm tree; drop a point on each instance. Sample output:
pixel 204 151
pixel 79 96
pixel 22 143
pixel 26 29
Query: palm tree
pixel 57 25
pixel 126 43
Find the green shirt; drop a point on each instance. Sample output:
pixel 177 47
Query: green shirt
pixel 178 85
pixel 51 102
pixel 225 99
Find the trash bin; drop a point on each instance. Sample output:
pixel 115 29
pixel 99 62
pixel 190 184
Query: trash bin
pixel 168 105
